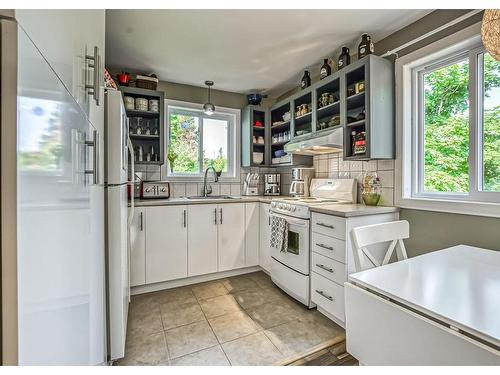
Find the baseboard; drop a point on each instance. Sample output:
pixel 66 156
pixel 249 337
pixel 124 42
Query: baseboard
pixel 192 280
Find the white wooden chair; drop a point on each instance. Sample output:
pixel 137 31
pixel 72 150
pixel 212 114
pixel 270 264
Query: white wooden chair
pixel 368 235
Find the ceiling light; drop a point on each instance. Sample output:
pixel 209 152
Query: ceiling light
pixel 209 108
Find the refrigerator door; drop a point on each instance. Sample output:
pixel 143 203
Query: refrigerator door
pixel 61 317
pixel 116 139
pixel 118 269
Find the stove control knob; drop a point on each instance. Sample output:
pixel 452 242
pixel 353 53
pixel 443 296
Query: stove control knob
pixel 289 207
pixel 293 208
pixel 281 206
pixel 273 204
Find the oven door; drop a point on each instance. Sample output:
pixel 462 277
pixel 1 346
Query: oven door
pixel 296 255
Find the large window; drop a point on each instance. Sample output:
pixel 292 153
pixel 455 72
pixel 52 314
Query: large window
pixel 458 127
pixel 197 141
pixel 448 96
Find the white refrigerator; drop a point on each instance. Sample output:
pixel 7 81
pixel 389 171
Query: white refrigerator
pixel 117 150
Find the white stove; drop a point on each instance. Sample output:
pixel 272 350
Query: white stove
pixel 323 191
pixel 290 268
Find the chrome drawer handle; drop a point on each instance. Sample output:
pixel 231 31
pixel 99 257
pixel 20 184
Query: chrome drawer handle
pixel 326 225
pixel 325 268
pixel 324 246
pixel 323 294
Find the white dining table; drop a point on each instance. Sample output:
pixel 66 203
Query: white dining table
pixel 440 308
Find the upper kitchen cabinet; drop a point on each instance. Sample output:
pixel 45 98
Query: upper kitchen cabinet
pixel 367 109
pixel 146 113
pixel 254 136
pixel 72 42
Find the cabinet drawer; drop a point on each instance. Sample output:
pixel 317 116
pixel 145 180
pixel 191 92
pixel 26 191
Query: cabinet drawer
pixel 329 225
pixel 328 246
pixel 328 295
pixel 329 268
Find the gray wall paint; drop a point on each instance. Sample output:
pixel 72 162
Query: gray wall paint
pixel 431 231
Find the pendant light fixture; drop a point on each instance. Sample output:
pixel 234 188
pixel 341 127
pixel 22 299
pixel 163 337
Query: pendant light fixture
pixel 209 108
pixel 490 32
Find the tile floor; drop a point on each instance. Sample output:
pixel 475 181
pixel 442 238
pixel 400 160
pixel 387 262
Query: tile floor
pixel 242 320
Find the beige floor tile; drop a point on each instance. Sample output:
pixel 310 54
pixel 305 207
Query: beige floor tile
pixel 207 357
pixel 143 321
pixel 217 306
pixel 189 339
pixel 272 314
pixel 256 297
pixel 295 337
pixel 180 314
pixel 148 350
pixel 175 296
pixel 232 326
pixel 324 327
pixel 262 279
pixel 209 290
pixel 237 283
pixel 252 350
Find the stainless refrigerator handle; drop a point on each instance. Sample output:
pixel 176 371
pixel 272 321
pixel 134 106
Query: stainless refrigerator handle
pixel 94 143
pixel 93 89
pixel 220 213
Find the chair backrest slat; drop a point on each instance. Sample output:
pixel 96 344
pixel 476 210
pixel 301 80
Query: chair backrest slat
pixel 374 234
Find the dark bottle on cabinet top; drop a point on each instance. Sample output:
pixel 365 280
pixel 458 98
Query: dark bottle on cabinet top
pixel 365 46
pixel 325 70
pixel 344 58
pixel 306 80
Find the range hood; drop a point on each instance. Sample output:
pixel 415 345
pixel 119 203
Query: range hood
pixel 324 143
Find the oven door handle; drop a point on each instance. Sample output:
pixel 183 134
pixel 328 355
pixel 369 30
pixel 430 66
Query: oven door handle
pixel 291 221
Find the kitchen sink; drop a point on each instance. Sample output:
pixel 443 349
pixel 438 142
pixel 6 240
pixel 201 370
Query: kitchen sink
pixel 212 197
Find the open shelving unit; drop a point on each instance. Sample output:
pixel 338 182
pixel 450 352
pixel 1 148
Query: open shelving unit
pixel 146 121
pixel 254 136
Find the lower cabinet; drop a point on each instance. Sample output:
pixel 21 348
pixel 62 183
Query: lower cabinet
pixel 166 243
pixel 231 233
pixel 174 242
pixel 138 248
pixel 202 239
pixel 252 233
pixel 265 236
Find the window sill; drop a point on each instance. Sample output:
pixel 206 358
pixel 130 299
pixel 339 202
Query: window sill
pixel 451 206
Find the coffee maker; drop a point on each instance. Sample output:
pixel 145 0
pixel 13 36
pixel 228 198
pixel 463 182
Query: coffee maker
pixel 301 179
pixel 272 184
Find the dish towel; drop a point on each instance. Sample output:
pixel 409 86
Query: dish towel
pixel 279 233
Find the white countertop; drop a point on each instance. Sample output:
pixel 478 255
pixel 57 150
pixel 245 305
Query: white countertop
pixel 458 286
pixel 350 210
pixel 184 200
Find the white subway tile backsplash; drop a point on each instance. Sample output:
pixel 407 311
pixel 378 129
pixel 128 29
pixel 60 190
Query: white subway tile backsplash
pixel 387 198
pixel 333 164
pixel 370 166
pixel 179 190
pixel 191 189
pixel 385 165
pixel 343 165
pixel 386 178
pixel 356 166
pixel 235 189
pixel 225 189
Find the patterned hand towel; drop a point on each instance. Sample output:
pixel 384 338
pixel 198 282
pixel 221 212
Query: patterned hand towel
pixel 279 233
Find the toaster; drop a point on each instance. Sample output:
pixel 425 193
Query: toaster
pixel 155 189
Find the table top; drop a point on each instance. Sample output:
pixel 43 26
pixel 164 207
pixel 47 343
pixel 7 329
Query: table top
pixel 459 286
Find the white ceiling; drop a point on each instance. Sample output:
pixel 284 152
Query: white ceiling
pixel 241 50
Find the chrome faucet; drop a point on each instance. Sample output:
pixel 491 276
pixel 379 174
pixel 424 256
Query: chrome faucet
pixel 208 189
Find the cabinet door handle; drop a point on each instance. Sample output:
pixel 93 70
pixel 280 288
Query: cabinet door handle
pixel 325 268
pixel 220 213
pixel 323 294
pixel 269 219
pixel 184 218
pixel 93 89
pixel 94 143
pixel 215 216
pixel 326 225
pixel 324 246
pixel 141 223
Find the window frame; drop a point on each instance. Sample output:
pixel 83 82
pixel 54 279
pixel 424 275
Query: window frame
pixel 410 130
pixel 232 115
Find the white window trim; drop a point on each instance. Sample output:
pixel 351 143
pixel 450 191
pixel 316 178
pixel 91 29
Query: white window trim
pixel 233 147
pixel 406 129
